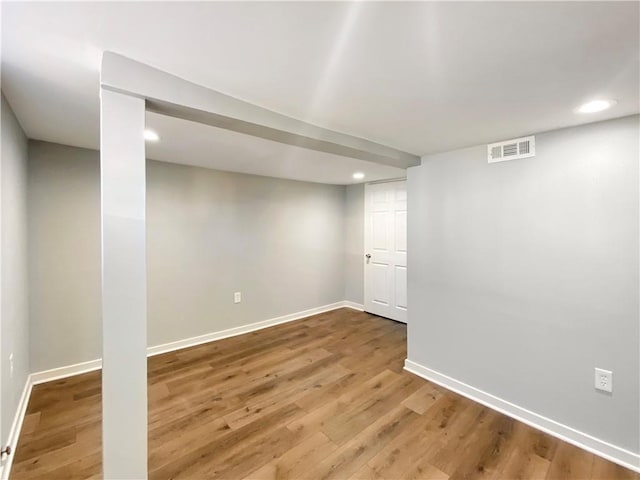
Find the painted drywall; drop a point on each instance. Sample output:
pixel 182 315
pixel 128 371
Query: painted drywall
pixel 209 234
pixel 524 275
pixel 64 246
pixel 14 323
pixel 354 244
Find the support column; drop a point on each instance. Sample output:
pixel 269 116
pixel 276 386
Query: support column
pixel 124 286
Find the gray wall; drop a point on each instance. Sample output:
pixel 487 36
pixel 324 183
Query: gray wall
pixel 354 244
pixel 523 275
pixel 209 234
pixel 64 245
pixel 14 326
pixel 212 233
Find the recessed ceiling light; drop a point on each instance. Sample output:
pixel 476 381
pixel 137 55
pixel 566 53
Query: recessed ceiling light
pixel 151 135
pixel 358 175
pixel 596 106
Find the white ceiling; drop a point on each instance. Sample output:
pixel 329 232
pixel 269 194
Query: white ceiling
pixel 422 77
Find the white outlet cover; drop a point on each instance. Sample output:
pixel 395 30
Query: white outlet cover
pixel 237 297
pixel 604 380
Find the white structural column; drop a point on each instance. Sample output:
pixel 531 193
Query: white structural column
pixel 124 286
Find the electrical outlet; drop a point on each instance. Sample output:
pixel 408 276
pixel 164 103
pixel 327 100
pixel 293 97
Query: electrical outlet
pixel 237 297
pixel 604 380
pixel 11 365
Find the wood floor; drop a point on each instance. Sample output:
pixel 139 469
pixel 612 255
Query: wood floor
pixel 320 398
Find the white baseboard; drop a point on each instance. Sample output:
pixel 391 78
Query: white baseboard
pixel 66 371
pixel 91 365
pixel 353 305
pixel 232 332
pixel 582 440
pixel 16 426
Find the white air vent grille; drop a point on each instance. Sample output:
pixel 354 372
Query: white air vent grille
pixel 512 149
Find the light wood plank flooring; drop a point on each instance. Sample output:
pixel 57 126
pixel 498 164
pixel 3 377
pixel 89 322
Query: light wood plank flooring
pixel 320 398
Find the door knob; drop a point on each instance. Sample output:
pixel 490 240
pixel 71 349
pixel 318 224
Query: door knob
pixel 368 255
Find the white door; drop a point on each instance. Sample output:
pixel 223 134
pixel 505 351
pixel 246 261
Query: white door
pixel 385 247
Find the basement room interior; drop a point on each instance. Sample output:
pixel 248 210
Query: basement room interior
pixel 346 240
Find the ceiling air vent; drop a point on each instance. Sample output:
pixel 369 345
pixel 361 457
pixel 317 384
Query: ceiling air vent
pixel 512 149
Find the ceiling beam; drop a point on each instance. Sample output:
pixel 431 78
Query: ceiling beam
pixel 173 96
